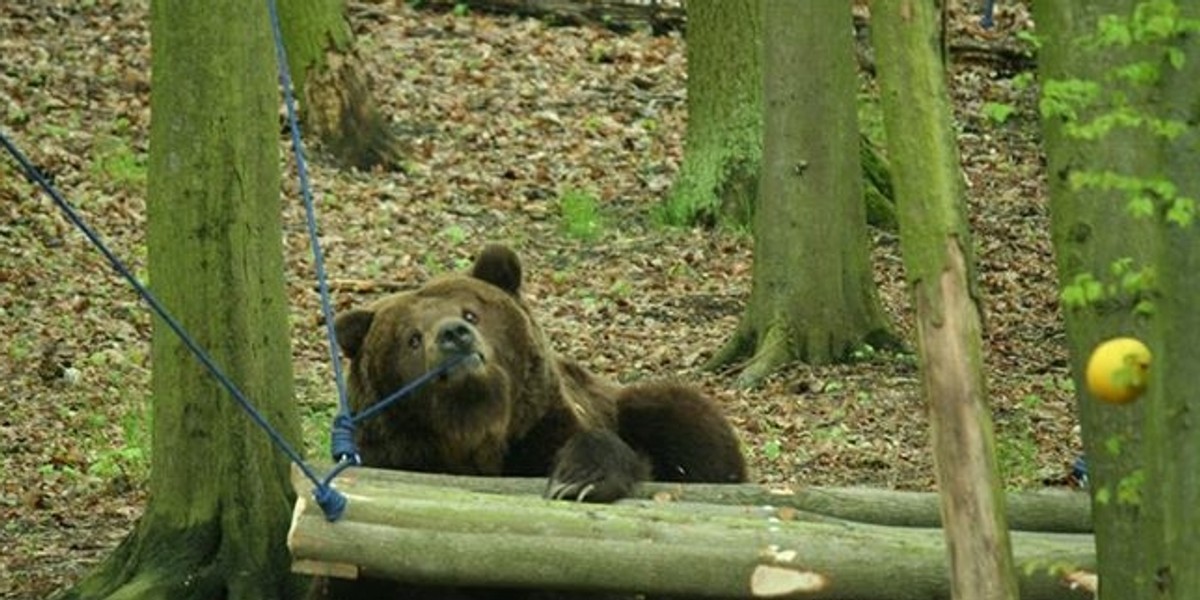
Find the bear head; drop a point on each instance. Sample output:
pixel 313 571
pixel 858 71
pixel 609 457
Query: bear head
pixel 462 420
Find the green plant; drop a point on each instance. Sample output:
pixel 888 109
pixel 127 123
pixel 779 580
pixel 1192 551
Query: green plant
pixel 132 459
pixel 998 112
pixel 455 233
pixel 621 289
pixel 581 214
pixel 1017 453
pixel 118 162
pixel 864 353
pixel 772 449
pixel 1031 402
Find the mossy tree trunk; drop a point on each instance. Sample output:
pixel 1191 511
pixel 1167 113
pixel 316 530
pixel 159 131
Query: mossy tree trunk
pixel 1142 457
pixel 217 518
pixel 329 77
pixel 812 298
pixel 936 243
pixel 718 180
pixel 723 149
pixel 1172 435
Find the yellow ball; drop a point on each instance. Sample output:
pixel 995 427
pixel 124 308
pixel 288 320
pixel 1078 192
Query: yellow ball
pixel 1118 370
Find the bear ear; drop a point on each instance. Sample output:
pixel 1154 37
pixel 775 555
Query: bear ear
pixel 499 266
pixel 351 328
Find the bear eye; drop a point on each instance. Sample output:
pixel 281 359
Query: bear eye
pixel 414 340
pixel 470 316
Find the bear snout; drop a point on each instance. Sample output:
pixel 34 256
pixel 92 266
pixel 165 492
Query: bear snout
pixel 456 336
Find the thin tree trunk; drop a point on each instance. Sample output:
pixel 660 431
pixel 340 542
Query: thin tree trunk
pixel 217 518
pixel 813 298
pixel 1092 230
pixel 465 538
pixel 936 244
pixel 330 78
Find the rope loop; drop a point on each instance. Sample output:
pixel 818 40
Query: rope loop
pixel 341 440
pixel 987 21
pixel 332 502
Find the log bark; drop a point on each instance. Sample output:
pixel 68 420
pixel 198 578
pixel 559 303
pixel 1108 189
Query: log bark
pixel 435 535
pixel 1053 511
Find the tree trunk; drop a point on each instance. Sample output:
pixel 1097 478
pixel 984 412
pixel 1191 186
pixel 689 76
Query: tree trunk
pixel 217 516
pixel 331 79
pixel 723 148
pixel 813 297
pixel 722 160
pixel 1172 488
pixel 1054 511
pixel 467 538
pixel 1092 231
pixel 936 244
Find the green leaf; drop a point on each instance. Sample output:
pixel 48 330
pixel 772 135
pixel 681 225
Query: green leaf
pixel 1175 57
pixel 998 112
pixel 1140 206
pixel 1182 211
pixel 1137 73
pixel 1129 489
pixel 1084 290
pixel 1144 308
pixel 1064 98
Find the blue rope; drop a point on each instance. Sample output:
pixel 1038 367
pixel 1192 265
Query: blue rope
pixel 332 502
pixel 345 453
pixel 35 176
pixel 986 21
pixel 341 444
pixel 409 388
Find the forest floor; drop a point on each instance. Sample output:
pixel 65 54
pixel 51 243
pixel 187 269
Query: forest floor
pixel 510 121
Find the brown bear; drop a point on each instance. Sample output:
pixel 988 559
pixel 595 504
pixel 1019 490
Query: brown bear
pixel 513 407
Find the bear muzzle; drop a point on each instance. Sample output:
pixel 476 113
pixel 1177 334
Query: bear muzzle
pixel 456 337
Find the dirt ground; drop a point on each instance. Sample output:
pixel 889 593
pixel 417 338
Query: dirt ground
pixel 504 116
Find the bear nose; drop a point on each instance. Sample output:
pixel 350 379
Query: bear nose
pixel 456 337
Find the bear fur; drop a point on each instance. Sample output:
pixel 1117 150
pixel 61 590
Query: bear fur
pixel 513 407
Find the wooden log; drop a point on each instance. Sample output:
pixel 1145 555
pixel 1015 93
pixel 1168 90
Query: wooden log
pixel 1052 510
pixel 439 535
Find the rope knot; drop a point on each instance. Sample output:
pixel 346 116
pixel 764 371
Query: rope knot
pixel 341 440
pixel 332 502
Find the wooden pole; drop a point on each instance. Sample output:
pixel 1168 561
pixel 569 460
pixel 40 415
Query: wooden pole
pixel 435 535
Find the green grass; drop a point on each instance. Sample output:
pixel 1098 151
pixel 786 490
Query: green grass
pixel 580 212
pixel 117 162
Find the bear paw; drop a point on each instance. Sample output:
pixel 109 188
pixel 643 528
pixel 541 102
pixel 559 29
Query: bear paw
pixel 595 466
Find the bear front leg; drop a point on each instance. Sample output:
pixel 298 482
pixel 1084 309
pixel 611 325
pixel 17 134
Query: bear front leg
pixel 595 466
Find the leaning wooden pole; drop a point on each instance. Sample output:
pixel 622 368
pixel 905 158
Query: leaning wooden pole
pixel 439 535
pixel 936 244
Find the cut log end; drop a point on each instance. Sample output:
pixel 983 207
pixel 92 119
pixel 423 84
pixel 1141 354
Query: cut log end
pixel 1087 581
pixel 767 581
